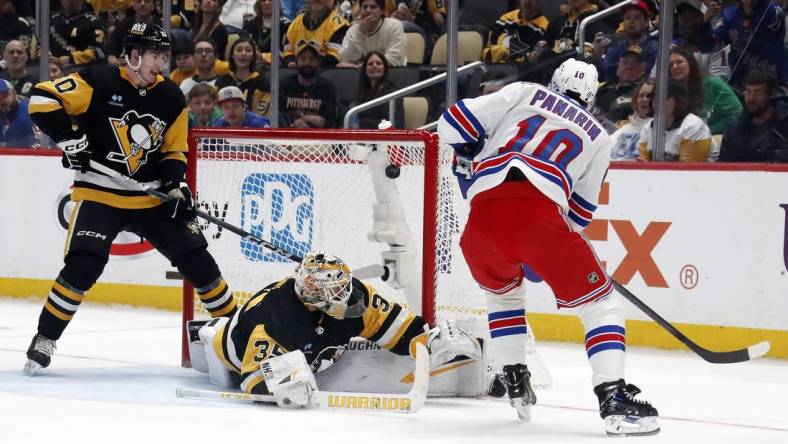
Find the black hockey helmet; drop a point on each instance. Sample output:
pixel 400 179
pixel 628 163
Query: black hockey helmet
pixel 146 36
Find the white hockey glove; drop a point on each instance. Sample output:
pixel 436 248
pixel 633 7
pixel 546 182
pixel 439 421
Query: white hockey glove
pixel 181 207
pixel 289 379
pixel 76 155
pixel 447 341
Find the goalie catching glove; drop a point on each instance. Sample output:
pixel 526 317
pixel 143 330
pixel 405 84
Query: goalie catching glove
pixel 76 155
pixel 447 341
pixel 181 206
pixel 289 379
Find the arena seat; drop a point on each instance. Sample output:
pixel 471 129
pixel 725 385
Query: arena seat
pixel 415 48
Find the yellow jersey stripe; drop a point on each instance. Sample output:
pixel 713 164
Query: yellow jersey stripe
pixel 71 227
pixel 73 91
pixel 126 202
pixel 176 137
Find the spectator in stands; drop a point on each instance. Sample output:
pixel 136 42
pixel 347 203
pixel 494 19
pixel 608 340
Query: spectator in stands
pixel 373 31
pixel 12 26
pixel 18 129
pixel 55 69
pixel 696 35
pixel 427 17
pixel 761 133
pixel 688 138
pixel 255 88
pixel 234 12
pixel 614 98
pixel 291 9
pixel 205 54
pixel 207 26
pixel 259 28
pixel 625 138
pixel 186 65
pixel 319 26
pixel 755 29
pixel 202 105
pixel 183 14
pixel 15 58
pixel 76 37
pixel 374 83
pixel 307 100
pixel 518 35
pixel 635 33
pixel 712 9
pixel 562 32
pixel 234 113
pixel 141 11
pixel 709 97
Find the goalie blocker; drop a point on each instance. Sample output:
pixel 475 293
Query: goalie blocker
pixel 316 312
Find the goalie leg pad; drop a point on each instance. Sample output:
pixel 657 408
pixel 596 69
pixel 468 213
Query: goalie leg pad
pixel 447 341
pixel 289 379
pixel 218 373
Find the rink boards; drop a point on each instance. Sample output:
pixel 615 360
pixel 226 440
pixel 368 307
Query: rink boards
pixel 706 246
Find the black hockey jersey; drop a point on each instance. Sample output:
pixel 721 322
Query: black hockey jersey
pixel 275 321
pixel 81 37
pixel 139 132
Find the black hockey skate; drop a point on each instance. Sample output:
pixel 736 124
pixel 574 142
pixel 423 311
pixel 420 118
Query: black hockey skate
pixel 623 414
pixel 39 354
pixel 517 380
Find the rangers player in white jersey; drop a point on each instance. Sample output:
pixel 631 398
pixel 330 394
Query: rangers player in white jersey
pixel 531 161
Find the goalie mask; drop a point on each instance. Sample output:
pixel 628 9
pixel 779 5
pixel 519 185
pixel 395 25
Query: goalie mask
pixel 324 282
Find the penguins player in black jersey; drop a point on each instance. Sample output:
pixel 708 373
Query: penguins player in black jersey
pixel 133 120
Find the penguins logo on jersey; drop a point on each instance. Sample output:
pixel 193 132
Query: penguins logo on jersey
pixel 137 136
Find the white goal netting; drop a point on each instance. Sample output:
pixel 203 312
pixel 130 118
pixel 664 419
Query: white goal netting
pixel 317 190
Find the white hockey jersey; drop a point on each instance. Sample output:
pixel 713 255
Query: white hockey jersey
pixel 558 145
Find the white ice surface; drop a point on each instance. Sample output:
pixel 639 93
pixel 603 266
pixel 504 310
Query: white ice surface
pixel 113 378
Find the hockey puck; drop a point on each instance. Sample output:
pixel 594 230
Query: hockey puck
pixel 392 171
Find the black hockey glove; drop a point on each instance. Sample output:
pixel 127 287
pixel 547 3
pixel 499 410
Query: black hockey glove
pixel 181 207
pixel 76 155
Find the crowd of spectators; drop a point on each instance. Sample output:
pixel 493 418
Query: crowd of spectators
pixel 727 65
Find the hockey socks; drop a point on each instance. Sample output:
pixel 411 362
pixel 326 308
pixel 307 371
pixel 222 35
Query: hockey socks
pixel 60 307
pixel 218 298
pixel 603 320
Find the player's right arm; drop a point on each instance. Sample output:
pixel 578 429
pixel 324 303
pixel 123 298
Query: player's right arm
pixel 466 124
pixel 53 102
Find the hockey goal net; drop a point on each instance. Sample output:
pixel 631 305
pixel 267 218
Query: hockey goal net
pixel 328 190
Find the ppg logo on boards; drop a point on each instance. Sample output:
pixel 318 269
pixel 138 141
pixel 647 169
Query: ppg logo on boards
pixel 279 209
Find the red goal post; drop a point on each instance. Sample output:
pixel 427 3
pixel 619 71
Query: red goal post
pixel 327 190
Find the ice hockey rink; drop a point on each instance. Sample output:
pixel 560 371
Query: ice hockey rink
pixel 114 374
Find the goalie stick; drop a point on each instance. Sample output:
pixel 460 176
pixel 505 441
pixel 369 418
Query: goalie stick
pixel 367 272
pixel 729 357
pixel 409 402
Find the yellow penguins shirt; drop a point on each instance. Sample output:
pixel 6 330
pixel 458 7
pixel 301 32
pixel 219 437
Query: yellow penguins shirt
pixel 326 37
pixel 275 321
pixel 139 132
pixel 81 37
pixel 514 34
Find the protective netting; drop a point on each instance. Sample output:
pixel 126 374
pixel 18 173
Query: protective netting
pixel 302 194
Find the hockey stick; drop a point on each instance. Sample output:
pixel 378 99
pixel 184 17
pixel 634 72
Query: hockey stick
pixel 409 402
pixel 367 272
pixel 729 357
